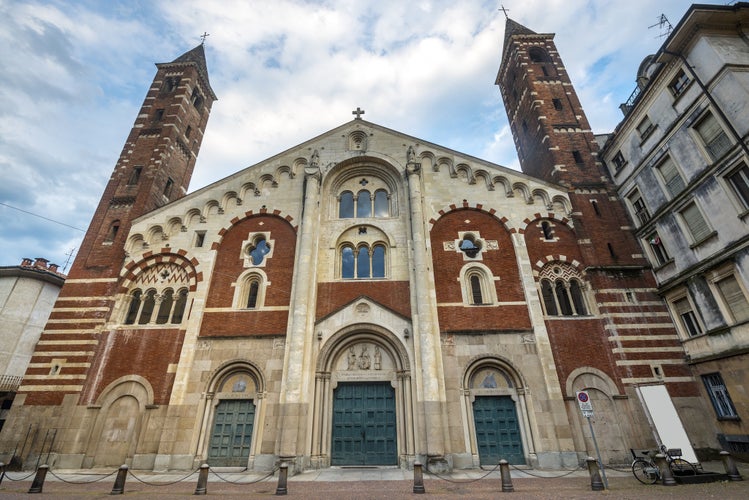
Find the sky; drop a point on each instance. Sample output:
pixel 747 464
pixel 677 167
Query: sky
pixel 75 73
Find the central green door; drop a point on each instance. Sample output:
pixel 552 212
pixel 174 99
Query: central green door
pixel 232 433
pixel 497 430
pixel 364 424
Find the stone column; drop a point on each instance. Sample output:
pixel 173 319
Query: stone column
pixel 427 348
pixel 294 400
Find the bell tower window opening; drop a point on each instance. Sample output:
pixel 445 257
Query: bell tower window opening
pixel 546 230
pixel 168 187
pixel 134 176
pixel 253 293
pixel 476 290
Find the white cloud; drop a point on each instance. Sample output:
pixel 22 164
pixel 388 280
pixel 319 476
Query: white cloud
pixel 75 74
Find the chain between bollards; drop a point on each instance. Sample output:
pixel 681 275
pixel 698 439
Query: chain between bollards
pixel 38 484
pixel 202 487
pixel 418 478
pixel 283 476
pixel 119 483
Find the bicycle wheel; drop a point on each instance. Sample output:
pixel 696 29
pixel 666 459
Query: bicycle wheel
pixel 680 467
pixel 644 471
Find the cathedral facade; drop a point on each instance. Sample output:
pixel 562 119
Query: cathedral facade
pixel 363 298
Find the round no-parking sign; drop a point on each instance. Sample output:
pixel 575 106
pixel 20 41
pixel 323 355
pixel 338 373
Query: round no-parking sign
pixel 583 399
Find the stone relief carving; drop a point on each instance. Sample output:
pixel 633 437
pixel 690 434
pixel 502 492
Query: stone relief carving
pixel 359 358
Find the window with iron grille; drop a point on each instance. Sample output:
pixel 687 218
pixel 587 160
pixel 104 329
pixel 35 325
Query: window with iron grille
pixel 719 396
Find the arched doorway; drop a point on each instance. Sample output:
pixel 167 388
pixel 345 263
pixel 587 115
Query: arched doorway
pixel 121 415
pixel 233 407
pixel 609 415
pixel 363 411
pixel 494 398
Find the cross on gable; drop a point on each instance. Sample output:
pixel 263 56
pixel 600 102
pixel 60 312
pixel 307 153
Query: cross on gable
pixel 203 37
pixel 358 112
pixel 502 8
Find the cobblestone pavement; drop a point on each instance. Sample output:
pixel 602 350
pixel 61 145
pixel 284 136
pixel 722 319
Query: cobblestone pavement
pixel 332 484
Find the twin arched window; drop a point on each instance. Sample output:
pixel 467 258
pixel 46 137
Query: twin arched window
pixel 152 308
pixel 563 297
pixel 364 204
pixel 363 262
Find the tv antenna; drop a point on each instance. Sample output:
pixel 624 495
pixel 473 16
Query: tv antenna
pixel 664 26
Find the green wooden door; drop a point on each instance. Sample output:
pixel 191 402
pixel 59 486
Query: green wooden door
pixel 497 430
pixel 364 430
pixel 232 433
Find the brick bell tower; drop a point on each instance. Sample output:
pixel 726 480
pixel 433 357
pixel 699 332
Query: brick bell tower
pixel 555 143
pixel 154 169
pixel 628 336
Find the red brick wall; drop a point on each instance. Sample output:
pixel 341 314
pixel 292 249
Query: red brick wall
pixel 279 270
pixel 394 295
pixel 502 263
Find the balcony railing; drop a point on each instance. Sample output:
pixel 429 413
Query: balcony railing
pixel 10 383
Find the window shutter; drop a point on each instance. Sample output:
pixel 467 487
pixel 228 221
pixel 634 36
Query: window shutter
pixel 672 177
pixel 734 297
pixel 696 223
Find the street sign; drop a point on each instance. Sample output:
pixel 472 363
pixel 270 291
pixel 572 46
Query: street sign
pixel 583 399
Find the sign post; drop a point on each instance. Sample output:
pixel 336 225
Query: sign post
pixel 586 407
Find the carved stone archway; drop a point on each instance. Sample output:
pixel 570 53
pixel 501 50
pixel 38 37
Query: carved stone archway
pixel 362 353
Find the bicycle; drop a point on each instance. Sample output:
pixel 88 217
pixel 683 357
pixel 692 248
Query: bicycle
pixel 646 471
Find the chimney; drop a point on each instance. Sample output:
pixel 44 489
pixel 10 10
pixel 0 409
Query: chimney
pixel 41 263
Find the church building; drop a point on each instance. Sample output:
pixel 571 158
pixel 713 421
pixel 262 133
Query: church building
pixel 365 298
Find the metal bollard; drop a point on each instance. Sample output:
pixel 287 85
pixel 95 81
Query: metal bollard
pixel 119 483
pixel 202 487
pixel 2 472
pixel 418 478
pixel 283 475
pixel 667 478
pixel 595 474
pixel 38 484
pixel 730 466
pixel 504 472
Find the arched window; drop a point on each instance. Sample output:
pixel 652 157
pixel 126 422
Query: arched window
pixel 114 228
pixel 477 285
pixel 179 306
pixel 476 295
pixel 546 229
pixel 562 293
pixel 381 204
pixel 132 312
pixel 366 262
pixel 346 205
pixel 577 297
pixel 547 294
pixel 537 54
pixel 149 303
pixel 347 262
pixel 363 204
pixel 563 298
pixel 253 293
pixel 378 261
pixel 165 307
pixel 362 263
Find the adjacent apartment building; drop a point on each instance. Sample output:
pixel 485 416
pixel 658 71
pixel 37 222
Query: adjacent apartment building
pixel 680 160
